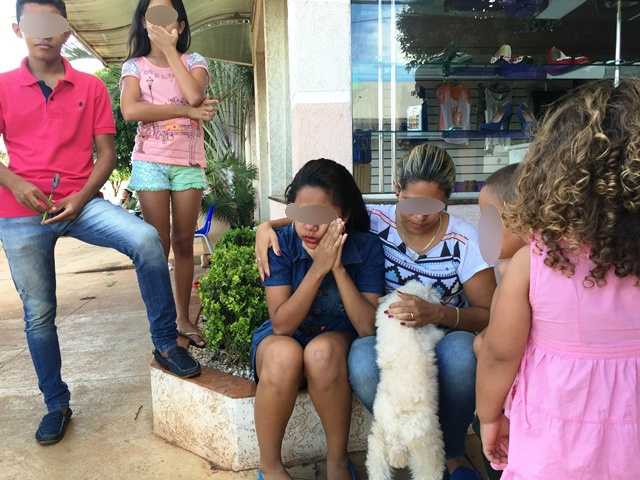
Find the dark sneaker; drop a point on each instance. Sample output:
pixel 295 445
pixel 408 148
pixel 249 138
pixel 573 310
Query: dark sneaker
pixel 178 361
pixel 52 427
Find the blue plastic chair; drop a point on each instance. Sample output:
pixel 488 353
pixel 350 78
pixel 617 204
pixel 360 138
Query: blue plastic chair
pixel 204 231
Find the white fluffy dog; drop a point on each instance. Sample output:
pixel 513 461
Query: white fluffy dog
pixel 406 431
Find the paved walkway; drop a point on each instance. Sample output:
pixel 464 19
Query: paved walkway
pixel 106 351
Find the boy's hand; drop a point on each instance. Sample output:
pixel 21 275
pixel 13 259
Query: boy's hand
pixel 30 196
pixel 205 111
pixel 68 208
pixel 164 40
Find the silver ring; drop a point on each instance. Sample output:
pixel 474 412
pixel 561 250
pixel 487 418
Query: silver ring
pixel 411 315
pixel 257 260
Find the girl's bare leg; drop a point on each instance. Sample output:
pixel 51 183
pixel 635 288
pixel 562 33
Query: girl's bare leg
pixel 325 367
pixel 279 369
pixel 185 207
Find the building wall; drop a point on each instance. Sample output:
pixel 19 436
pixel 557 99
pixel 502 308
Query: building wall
pixel 303 90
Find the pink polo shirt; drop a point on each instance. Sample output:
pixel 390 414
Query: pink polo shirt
pixel 55 136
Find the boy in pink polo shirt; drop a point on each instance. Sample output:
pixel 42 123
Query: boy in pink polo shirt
pixel 51 116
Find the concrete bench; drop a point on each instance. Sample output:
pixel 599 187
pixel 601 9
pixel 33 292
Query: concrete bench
pixel 212 416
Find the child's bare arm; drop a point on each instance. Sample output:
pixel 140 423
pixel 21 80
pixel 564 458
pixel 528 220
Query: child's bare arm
pixel 505 339
pixel 135 110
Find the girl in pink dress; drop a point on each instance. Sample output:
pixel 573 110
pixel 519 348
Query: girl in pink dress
pixel 566 320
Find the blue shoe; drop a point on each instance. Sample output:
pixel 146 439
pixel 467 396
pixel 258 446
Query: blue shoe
pixel 353 472
pixel 52 427
pixel 527 120
pixel 260 477
pixel 502 120
pixel 178 361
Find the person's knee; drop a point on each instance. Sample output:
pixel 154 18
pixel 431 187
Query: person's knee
pixel 324 363
pixel 145 240
pixel 282 366
pixel 40 319
pixel 182 243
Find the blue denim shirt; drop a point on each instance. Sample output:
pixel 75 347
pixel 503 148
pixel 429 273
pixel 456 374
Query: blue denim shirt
pixel 362 257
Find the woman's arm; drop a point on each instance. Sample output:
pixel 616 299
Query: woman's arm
pixel 360 307
pixel 287 311
pixel 505 340
pixel 479 292
pixel 266 238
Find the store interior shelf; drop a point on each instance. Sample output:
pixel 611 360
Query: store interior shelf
pixel 522 71
pixel 438 134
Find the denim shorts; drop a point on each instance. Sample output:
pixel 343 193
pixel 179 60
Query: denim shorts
pixel 302 335
pixel 154 177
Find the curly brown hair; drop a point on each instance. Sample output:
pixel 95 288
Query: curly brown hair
pixel 579 186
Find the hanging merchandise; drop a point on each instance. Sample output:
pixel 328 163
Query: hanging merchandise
pixel 361 146
pixel 455 111
pixel 414 118
pixel 498 98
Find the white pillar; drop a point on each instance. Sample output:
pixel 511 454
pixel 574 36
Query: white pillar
pixel 319 44
pixel 261 130
pixel 277 76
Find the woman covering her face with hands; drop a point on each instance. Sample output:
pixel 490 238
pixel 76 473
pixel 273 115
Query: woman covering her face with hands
pixel 322 294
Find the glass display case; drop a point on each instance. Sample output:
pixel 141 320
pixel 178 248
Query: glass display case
pixel 474 76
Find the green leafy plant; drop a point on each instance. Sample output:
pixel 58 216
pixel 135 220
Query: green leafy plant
pixel 126 136
pixel 232 296
pixel 230 189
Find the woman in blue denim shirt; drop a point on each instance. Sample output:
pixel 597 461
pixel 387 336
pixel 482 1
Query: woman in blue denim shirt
pixel 322 294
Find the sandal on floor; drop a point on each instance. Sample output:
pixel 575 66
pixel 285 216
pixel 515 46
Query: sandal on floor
pixel 178 361
pixel 188 335
pixel 52 427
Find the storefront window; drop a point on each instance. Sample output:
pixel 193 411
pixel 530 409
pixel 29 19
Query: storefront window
pixel 474 76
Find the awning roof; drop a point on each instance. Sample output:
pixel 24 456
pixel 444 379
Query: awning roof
pixel 220 29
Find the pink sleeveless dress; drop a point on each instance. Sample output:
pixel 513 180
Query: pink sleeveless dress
pixel 575 407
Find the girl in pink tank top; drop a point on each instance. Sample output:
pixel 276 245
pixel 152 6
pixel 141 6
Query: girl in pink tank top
pixel 563 345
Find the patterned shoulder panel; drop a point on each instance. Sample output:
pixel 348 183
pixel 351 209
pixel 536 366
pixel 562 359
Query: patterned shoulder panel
pixel 196 60
pixel 130 67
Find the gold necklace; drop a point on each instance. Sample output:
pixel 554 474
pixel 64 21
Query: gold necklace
pixel 415 255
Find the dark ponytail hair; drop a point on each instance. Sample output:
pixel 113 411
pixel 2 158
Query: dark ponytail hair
pixel 139 44
pixel 336 181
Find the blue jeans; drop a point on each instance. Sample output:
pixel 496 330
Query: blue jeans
pixel 456 380
pixel 29 248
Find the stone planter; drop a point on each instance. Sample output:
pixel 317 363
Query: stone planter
pixel 212 416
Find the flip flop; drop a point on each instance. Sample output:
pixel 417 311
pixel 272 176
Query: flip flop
pixel 188 335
